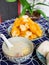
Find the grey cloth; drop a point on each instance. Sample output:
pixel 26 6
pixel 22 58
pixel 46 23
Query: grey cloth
pixel 8 10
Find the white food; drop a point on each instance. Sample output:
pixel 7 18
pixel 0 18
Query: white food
pixel 28 33
pixel 27 26
pixel 43 48
pixel 25 16
pixel 23 27
pixel 18 49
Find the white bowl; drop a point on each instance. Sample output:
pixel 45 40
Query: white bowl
pixel 18 40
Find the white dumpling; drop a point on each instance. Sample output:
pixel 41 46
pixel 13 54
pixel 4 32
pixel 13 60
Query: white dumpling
pixel 43 48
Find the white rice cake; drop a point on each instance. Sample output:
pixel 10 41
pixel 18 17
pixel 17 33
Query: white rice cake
pixel 43 48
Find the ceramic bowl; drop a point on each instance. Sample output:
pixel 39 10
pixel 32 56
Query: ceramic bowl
pixel 18 40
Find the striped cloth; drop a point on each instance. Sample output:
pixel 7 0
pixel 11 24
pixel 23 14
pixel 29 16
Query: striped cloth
pixel 33 60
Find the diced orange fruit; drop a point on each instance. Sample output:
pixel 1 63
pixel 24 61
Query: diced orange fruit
pixel 15 31
pixel 23 24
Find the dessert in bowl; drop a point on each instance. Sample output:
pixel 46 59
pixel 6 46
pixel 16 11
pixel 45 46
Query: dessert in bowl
pixel 21 51
pixel 25 27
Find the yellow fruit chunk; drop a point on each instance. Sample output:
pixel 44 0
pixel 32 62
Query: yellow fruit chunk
pixel 39 34
pixel 22 33
pixel 25 27
pixel 15 31
pixel 33 36
pixel 17 22
pixel 28 33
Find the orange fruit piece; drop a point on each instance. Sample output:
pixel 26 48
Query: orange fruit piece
pixel 15 31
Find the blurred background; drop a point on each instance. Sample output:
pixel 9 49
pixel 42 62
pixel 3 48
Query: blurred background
pixel 9 10
pixel 44 8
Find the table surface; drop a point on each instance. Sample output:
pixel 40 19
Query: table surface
pixel 33 60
